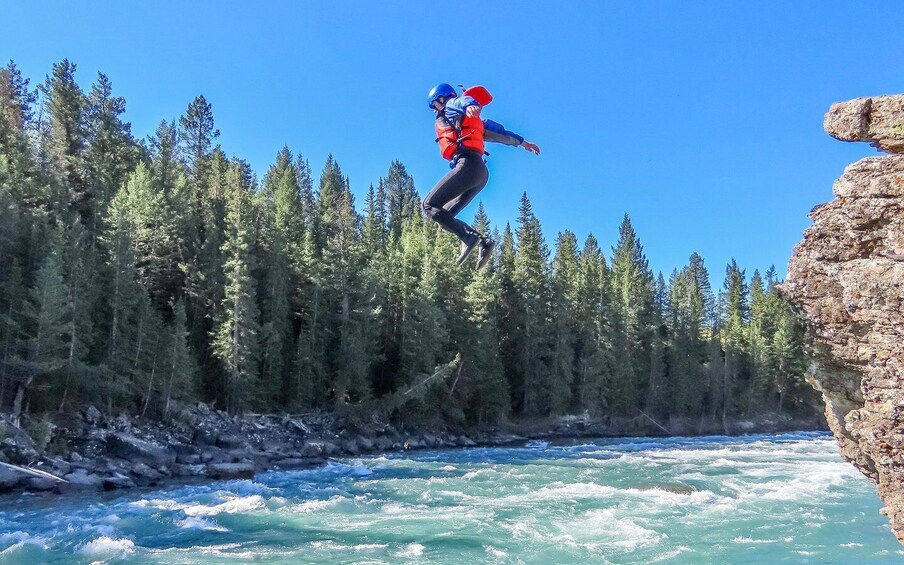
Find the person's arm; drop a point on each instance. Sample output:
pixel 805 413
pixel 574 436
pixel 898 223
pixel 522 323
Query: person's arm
pixel 496 132
pixel 456 108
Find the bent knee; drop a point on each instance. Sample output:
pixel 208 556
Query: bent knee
pixel 430 210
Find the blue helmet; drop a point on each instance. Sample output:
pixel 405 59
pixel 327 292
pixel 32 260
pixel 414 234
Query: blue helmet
pixel 440 91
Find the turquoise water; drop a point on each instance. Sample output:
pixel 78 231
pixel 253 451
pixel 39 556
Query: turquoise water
pixel 758 499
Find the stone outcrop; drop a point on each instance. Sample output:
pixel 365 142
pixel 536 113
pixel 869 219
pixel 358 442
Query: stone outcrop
pixel 851 298
pixel 876 120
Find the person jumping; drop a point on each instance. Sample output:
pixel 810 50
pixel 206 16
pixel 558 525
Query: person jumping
pixel 461 134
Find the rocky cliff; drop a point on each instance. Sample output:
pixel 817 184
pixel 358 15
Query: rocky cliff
pixel 851 297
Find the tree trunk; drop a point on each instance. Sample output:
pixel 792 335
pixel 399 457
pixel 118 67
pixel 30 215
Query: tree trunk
pixel 147 398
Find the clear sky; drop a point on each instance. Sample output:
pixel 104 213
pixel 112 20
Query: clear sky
pixel 701 120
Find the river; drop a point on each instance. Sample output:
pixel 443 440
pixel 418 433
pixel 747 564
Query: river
pixel 754 499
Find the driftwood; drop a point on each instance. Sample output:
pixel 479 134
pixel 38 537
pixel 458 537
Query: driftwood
pixel 658 425
pixel 33 472
pixel 389 403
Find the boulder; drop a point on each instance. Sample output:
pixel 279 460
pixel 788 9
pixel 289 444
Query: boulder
pixel 133 449
pixel 80 479
pixel 193 470
pixel 350 446
pixel 382 443
pixel 232 441
pixel 330 449
pixel 145 475
pixel 294 463
pixel 312 449
pixel 465 441
pixel 41 483
pixel 220 471
pixel 214 455
pixel 9 479
pixel 16 445
pixel 93 416
pixel 118 481
pixel 189 459
pixel 364 443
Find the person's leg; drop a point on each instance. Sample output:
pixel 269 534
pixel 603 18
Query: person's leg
pixel 449 192
pixel 481 175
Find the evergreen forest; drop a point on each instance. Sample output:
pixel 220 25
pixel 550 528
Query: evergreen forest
pixel 137 274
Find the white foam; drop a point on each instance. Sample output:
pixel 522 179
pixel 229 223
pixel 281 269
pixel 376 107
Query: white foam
pixel 311 506
pixel 160 504
pixel 358 469
pixel 195 523
pixel 537 444
pixel 330 545
pixel 670 554
pixel 394 508
pixel 740 539
pixel 411 550
pixel 105 546
pixel 19 539
pixel 234 506
pixel 605 528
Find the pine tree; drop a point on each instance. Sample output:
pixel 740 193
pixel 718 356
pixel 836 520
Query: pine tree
pixel 487 400
pixel 180 372
pixel 80 271
pixel 19 185
pixel 595 355
pixel 788 360
pixel 759 331
pixel 13 349
pixel 191 144
pixel 49 316
pixel 425 328
pixel 342 258
pixel 309 379
pixel 155 238
pixel 531 280
pixel 688 318
pixel 284 234
pixel 126 299
pixel 733 323
pixel 236 341
pixel 509 320
pixel 112 153
pixel 566 267
pixel 402 201
pixel 196 134
pixel 65 108
pixel 632 292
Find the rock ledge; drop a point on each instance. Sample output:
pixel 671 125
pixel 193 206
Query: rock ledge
pixel 851 297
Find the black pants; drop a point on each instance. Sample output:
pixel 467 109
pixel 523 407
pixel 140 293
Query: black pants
pixel 455 190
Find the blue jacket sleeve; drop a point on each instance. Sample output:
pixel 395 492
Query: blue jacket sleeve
pixel 496 132
pixel 455 108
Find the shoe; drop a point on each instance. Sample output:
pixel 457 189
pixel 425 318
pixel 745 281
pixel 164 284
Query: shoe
pixel 485 252
pixel 467 246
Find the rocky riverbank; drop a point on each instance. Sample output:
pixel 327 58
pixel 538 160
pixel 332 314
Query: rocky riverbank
pixel 90 451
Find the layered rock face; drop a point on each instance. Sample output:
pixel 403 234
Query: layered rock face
pixel 851 298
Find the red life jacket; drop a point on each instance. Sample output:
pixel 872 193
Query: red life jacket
pixel 471 134
pixel 450 140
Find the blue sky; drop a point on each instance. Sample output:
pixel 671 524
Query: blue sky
pixel 702 121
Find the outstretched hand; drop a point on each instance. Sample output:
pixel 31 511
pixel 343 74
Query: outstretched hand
pixel 532 147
